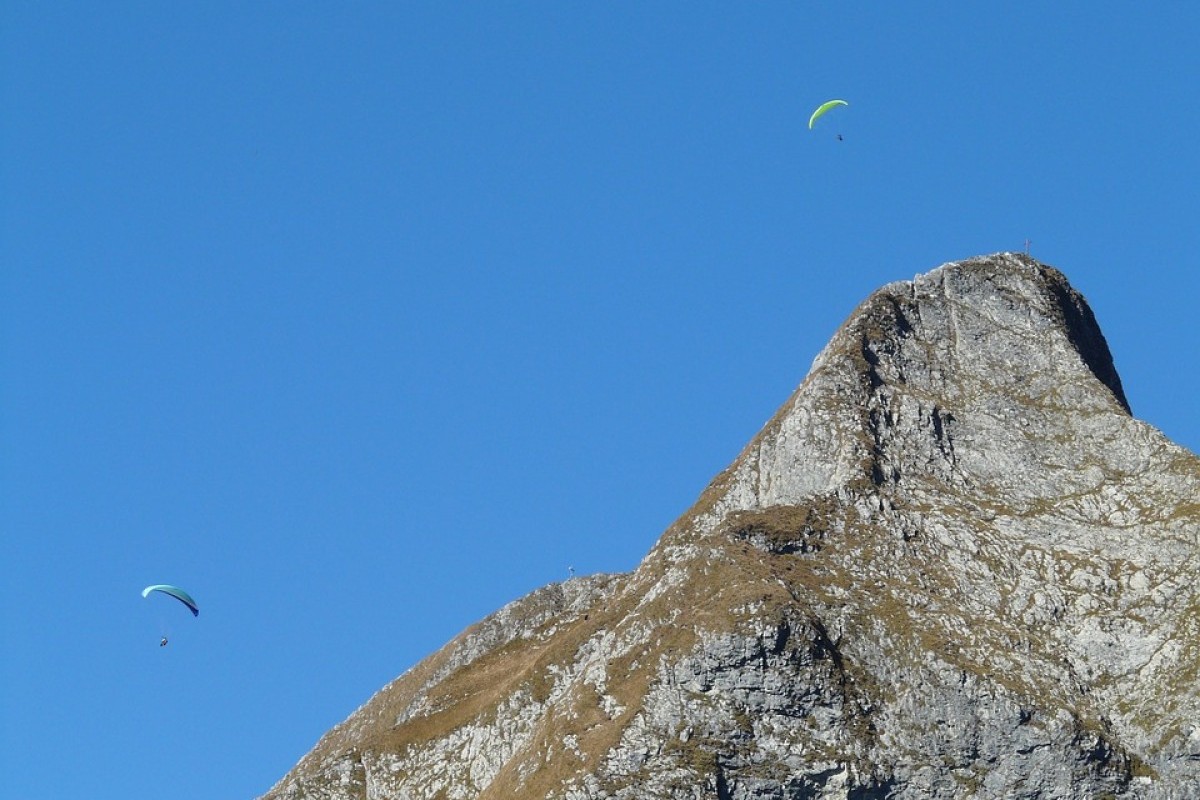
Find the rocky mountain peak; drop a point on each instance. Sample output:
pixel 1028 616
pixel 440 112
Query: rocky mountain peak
pixel 951 565
pixel 960 374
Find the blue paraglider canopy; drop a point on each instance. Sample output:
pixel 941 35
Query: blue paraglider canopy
pixel 176 592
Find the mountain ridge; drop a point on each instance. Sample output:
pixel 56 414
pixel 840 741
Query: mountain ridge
pixel 951 564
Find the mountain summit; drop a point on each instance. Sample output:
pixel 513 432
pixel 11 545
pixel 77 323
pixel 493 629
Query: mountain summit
pixel 951 565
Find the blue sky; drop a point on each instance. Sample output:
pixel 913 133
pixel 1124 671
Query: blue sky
pixel 360 320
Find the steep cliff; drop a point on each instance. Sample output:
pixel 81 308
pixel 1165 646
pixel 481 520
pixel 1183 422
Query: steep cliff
pixel 952 565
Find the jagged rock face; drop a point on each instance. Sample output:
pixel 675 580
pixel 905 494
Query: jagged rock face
pixel 952 565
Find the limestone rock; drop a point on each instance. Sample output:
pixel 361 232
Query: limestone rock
pixel 952 565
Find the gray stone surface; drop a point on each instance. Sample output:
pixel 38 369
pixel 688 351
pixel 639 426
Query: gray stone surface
pixel 952 565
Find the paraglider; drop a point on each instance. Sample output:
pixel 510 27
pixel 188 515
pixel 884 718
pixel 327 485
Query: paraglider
pixel 177 593
pixel 166 608
pixel 823 109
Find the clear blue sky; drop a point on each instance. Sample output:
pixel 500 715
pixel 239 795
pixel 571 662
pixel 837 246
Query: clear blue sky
pixel 360 320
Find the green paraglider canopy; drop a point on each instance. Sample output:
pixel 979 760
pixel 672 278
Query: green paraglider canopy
pixel 822 109
pixel 176 592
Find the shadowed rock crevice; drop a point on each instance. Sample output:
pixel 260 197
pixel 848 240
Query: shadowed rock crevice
pixel 951 565
pixel 1084 332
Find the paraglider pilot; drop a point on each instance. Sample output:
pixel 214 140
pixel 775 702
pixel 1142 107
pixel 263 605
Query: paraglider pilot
pixel 163 643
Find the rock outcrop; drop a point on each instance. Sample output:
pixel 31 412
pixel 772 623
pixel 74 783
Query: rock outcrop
pixel 952 565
